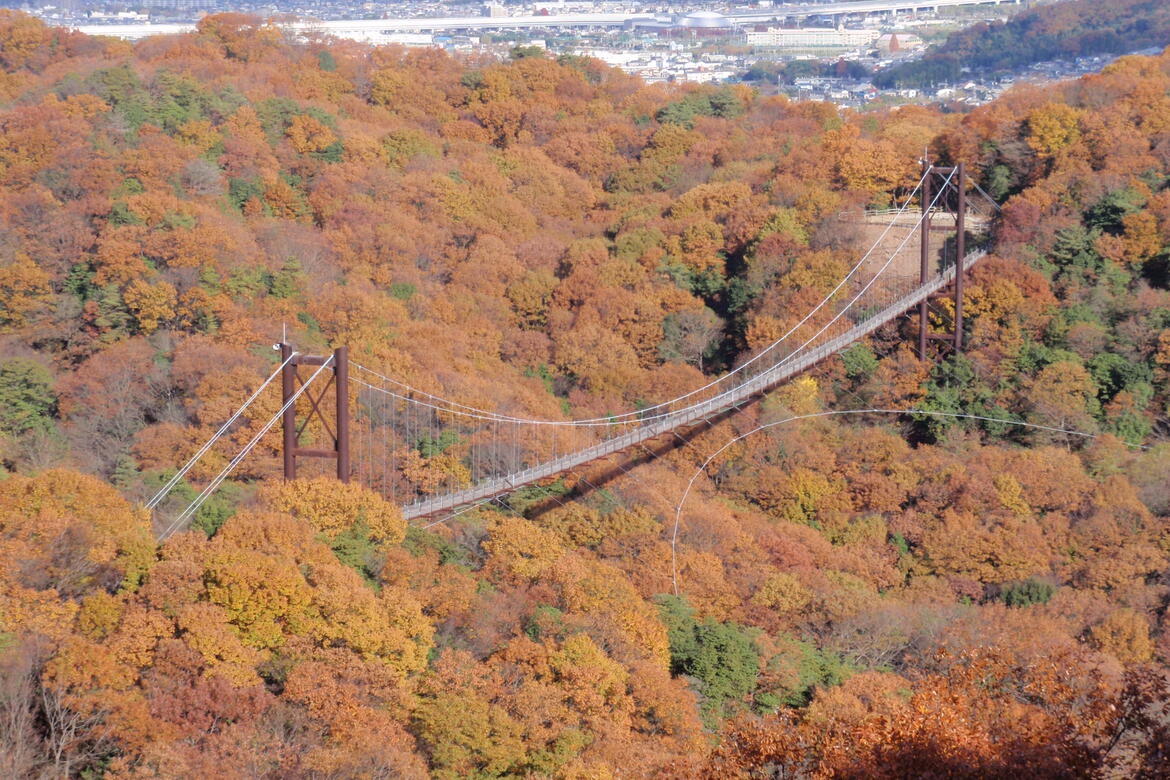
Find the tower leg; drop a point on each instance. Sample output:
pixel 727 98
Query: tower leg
pixel 289 418
pixel 341 388
pixel 961 250
pixel 924 259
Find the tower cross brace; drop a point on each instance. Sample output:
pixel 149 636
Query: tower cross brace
pixel 338 433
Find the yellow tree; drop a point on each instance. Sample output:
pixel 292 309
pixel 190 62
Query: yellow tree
pixel 332 507
pixel 1053 129
pixel 25 290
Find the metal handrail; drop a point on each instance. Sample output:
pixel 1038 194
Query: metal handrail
pixel 784 369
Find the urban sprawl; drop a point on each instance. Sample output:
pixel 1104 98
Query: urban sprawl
pixel 713 43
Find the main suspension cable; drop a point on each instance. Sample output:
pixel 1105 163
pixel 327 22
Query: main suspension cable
pixel 608 422
pixel 639 414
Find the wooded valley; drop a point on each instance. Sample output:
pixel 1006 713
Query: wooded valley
pixel 860 596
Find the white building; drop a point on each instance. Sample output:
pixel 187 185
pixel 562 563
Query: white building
pixel 707 76
pixel 563 6
pixel 811 38
pixel 407 39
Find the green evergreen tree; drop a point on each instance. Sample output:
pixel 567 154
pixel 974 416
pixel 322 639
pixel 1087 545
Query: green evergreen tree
pixel 27 402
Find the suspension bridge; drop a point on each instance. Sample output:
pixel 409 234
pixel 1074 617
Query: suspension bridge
pixel 435 457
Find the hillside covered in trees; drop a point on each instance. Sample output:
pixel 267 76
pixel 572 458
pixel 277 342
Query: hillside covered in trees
pixel 1058 31
pixel 881 596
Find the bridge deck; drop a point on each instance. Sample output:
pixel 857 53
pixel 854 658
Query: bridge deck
pixel 750 388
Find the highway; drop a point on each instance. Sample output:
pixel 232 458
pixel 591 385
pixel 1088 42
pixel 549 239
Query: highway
pixel 859 7
pixel 370 29
pixel 373 29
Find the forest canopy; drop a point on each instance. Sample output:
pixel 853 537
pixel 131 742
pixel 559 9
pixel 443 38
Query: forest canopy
pixel 877 596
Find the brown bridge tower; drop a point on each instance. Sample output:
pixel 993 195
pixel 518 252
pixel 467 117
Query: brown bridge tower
pixel 338 432
pixel 952 199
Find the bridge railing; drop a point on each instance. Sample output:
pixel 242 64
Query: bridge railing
pixel 760 381
pixel 437 453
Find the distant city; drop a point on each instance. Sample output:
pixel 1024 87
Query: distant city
pixel 815 51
